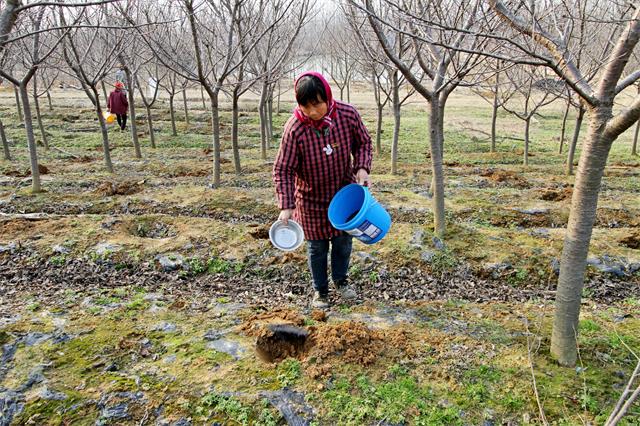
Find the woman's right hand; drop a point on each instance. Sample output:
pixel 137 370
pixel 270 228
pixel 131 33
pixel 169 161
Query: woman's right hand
pixel 285 215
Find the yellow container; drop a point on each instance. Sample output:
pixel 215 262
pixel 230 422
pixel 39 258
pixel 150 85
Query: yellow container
pixel 108 117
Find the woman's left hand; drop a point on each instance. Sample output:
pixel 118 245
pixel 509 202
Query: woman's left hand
pixel 362 178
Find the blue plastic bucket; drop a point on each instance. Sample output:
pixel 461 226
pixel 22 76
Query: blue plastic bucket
pixel 354 210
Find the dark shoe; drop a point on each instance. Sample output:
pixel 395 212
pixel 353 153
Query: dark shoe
pixel 319 301
pixel 346 290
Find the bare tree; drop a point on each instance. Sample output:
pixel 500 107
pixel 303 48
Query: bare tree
pixel 5 143
pixel 151 72
pixel 530 92
pixel 438 55
pixel 90 54
pixel 605 126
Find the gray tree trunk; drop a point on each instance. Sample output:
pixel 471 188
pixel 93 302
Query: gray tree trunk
pixel 20 117
pixel 215 120
pixel 263 121
pixel 36 103
pixel 152 134
pixel 31 140
pixel 634 147
pixel 270 120
pixel 527 126
pixel 104 90
pixel 436 141
pixel 494 119
pixel 186 107
pixel 395 88
pixel 563 132
pixel 234 131
pixel 49 100
pixel 584 203
pixel 132 114
pixel 379 130
pixel 5 143
pixel 105 134
pixel 574 142
pixel 278 110
pixel 172 111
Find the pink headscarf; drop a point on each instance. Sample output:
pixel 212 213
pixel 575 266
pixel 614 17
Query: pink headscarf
pixel 326 122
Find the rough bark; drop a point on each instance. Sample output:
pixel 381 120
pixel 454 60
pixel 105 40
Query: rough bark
pixel 215 120
pixel 172 111
pixel 5 143
pixel 152 135
pixel 104 90
pixel 234 130
pixel 36 103
pixel 105 134
pixel 574 142
pixel 584 203
pixel 186 106
pixel 49 100
pixel 18 106
pixel 132 114
pixel 263 121
pixel 31 140
pixel 436 140
pixel 527 127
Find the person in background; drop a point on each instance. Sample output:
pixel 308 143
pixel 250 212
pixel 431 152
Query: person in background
pixel 325 146
pixel 121 76
pixel 117 104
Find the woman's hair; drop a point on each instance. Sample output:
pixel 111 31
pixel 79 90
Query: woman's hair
pixel 308 89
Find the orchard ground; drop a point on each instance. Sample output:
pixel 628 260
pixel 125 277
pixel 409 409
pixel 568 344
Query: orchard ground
pixel 136 298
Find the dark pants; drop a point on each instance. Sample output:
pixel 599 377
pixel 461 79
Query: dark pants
pixel 318 251
pixel 122 120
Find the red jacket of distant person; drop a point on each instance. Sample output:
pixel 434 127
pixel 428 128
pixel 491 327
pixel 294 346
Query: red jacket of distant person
pixel 117 102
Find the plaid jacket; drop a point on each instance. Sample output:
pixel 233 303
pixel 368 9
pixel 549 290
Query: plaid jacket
pixel 311 167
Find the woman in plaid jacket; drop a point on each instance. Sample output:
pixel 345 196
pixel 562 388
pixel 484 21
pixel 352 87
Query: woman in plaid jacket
pixel 325 146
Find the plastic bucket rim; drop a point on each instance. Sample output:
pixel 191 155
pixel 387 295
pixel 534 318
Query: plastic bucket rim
pixel 366 202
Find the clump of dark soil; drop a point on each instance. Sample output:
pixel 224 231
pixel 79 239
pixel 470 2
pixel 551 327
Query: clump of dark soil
pixel 42 169
pixel 556 194
pixel 505 177
pixel 632 241
pixel 260 232
pixel 151 229
pixel 617 218
pixel 109 189
pixel 277 342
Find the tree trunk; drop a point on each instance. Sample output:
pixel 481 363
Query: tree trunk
pixel 379 130
pixel 584 203
pixel 36 103
pixel 494 109
pixel 20 117
pixel 5 143
pixel 152 135
pixel 634 147
pixel 263 121
pixel 215 120
pixel 574 142
pixel 564 126
pixel 396 123
pixel 204 105
pixel 105 134
pixel 527 126
pixel 278 110
pixel 49 100
pixel 132 115
pixel 270 120
pixel 104 90
pixel 31 140
pixel 172 111
pixel 436 141
pixel 186 107
pixel 234 131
